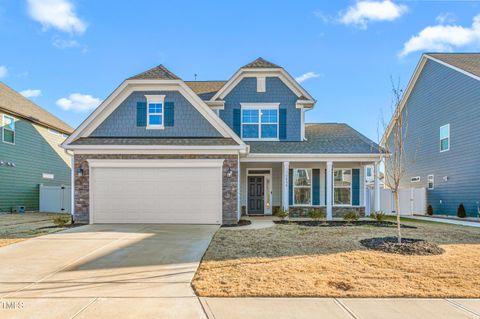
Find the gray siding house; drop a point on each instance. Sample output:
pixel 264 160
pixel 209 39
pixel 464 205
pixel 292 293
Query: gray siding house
pixel 163 150
pixel 442 109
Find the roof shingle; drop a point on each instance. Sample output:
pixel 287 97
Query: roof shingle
pixel 205 89
pixel 157 73
pixel 325 138
pixel 261 63
pixel 469 62
pixel 13 102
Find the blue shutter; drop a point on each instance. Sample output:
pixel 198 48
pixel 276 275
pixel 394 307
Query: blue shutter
pixel 282 122
pixel 290 187
pixel 355 186
pixel 237 118
pixel 316 187
pixel 169 112
pixel 141 114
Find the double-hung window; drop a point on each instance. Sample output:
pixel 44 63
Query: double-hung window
pixel 342 187
pixel 445 138
pixel 8 129
pixel 155 107
pixel 260 122
pixel 302 186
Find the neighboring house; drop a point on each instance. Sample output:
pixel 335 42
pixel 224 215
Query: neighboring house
pixel 441 106
pixel 30 152
pixel 161 150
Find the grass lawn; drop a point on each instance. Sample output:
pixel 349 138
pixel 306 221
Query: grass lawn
pixel 292 260
pixel 19 227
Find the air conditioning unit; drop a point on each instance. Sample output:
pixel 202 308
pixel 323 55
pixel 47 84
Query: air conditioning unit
pixel 18 209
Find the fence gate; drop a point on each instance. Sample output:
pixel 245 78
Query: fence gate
pixel 55 199
pixel 411 201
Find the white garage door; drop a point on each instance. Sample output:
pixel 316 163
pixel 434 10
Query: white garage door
pixel 184 192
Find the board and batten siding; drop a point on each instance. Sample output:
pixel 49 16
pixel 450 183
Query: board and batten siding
pixel 36 151
pixel 188 122
pixel 444 96
pixel 276 92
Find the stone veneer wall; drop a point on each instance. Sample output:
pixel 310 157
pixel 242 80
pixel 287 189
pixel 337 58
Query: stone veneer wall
pixel 338 212
pixel 229 185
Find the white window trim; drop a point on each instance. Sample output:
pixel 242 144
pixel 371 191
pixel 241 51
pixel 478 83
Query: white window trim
pixel 260 106
pixel 431 178
pixel 415 179
pixel 310 172
pixel 152 99
pixel 448 138
pixel 333 186
pixel 14 129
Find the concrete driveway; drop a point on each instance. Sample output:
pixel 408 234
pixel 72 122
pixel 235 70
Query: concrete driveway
pixel 105 271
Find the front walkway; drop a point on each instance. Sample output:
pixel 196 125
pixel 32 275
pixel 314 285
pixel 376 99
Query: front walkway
pixel 105 271
pixel 333 308
pixel 446 220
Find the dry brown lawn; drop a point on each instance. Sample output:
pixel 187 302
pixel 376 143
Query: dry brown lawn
pixel 292 260
pixel 19 227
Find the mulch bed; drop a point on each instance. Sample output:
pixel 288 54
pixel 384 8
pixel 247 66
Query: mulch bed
pixel 241 222
pixel 409 246
pixel 341 223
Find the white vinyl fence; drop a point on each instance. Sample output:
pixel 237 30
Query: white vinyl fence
pixel 55 199
pixel 412 201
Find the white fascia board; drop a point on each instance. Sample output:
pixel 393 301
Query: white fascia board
pixel 406 95
pixel 453 67
pixel 155 163
pixel 157 147
pixel 280 73
pixel 129 86
pixel 151 151
pixel 216 105
pixel 262 157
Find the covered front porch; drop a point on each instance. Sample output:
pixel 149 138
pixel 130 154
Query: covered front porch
pixel 299 185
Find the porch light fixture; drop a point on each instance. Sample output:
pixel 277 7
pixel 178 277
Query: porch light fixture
pixel 79 172
pixel 229 173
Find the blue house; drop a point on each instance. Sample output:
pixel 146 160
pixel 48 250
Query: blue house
pixel 163 150
pixel 442 109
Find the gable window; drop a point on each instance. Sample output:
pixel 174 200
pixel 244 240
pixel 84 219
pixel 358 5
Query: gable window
pixel 155 107
pixel 430 182
pixel 342 187
pixel 260 122
pixel 8 129
pixel 302 186
pixel 445 138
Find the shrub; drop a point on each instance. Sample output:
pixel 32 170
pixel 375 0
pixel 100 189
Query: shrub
pixel 282 213
pixel 61 221
pixel 379 216
pixel 351 216
pixel 461 211
pixel 316 214
pixel 430 210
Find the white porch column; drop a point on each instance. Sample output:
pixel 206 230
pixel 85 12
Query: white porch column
pixel 377 186
pixel 365 197
pixel 285 182
pixel 329 190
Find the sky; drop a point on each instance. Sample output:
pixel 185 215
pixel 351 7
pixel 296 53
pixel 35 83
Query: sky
pixel 69 55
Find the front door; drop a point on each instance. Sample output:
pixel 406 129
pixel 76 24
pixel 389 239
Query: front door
pixel 255 195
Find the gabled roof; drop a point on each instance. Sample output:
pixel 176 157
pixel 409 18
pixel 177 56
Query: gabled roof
pixel 468 62
pixel 324 138
pixel 157 73
pixel 260 63
pixel 205 89
pixel 16 104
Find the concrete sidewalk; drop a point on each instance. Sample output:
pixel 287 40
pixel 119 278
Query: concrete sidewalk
pixel 446 221
pixel 341 308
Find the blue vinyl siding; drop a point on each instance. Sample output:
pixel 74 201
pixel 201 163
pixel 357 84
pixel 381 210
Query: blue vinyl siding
pixel 445 96
pixel 188 122
pixel 276 92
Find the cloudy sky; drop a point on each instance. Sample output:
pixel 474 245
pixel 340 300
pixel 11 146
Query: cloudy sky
pixel 69 55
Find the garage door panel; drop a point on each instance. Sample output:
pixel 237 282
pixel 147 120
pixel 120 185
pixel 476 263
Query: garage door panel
pixel 157 195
